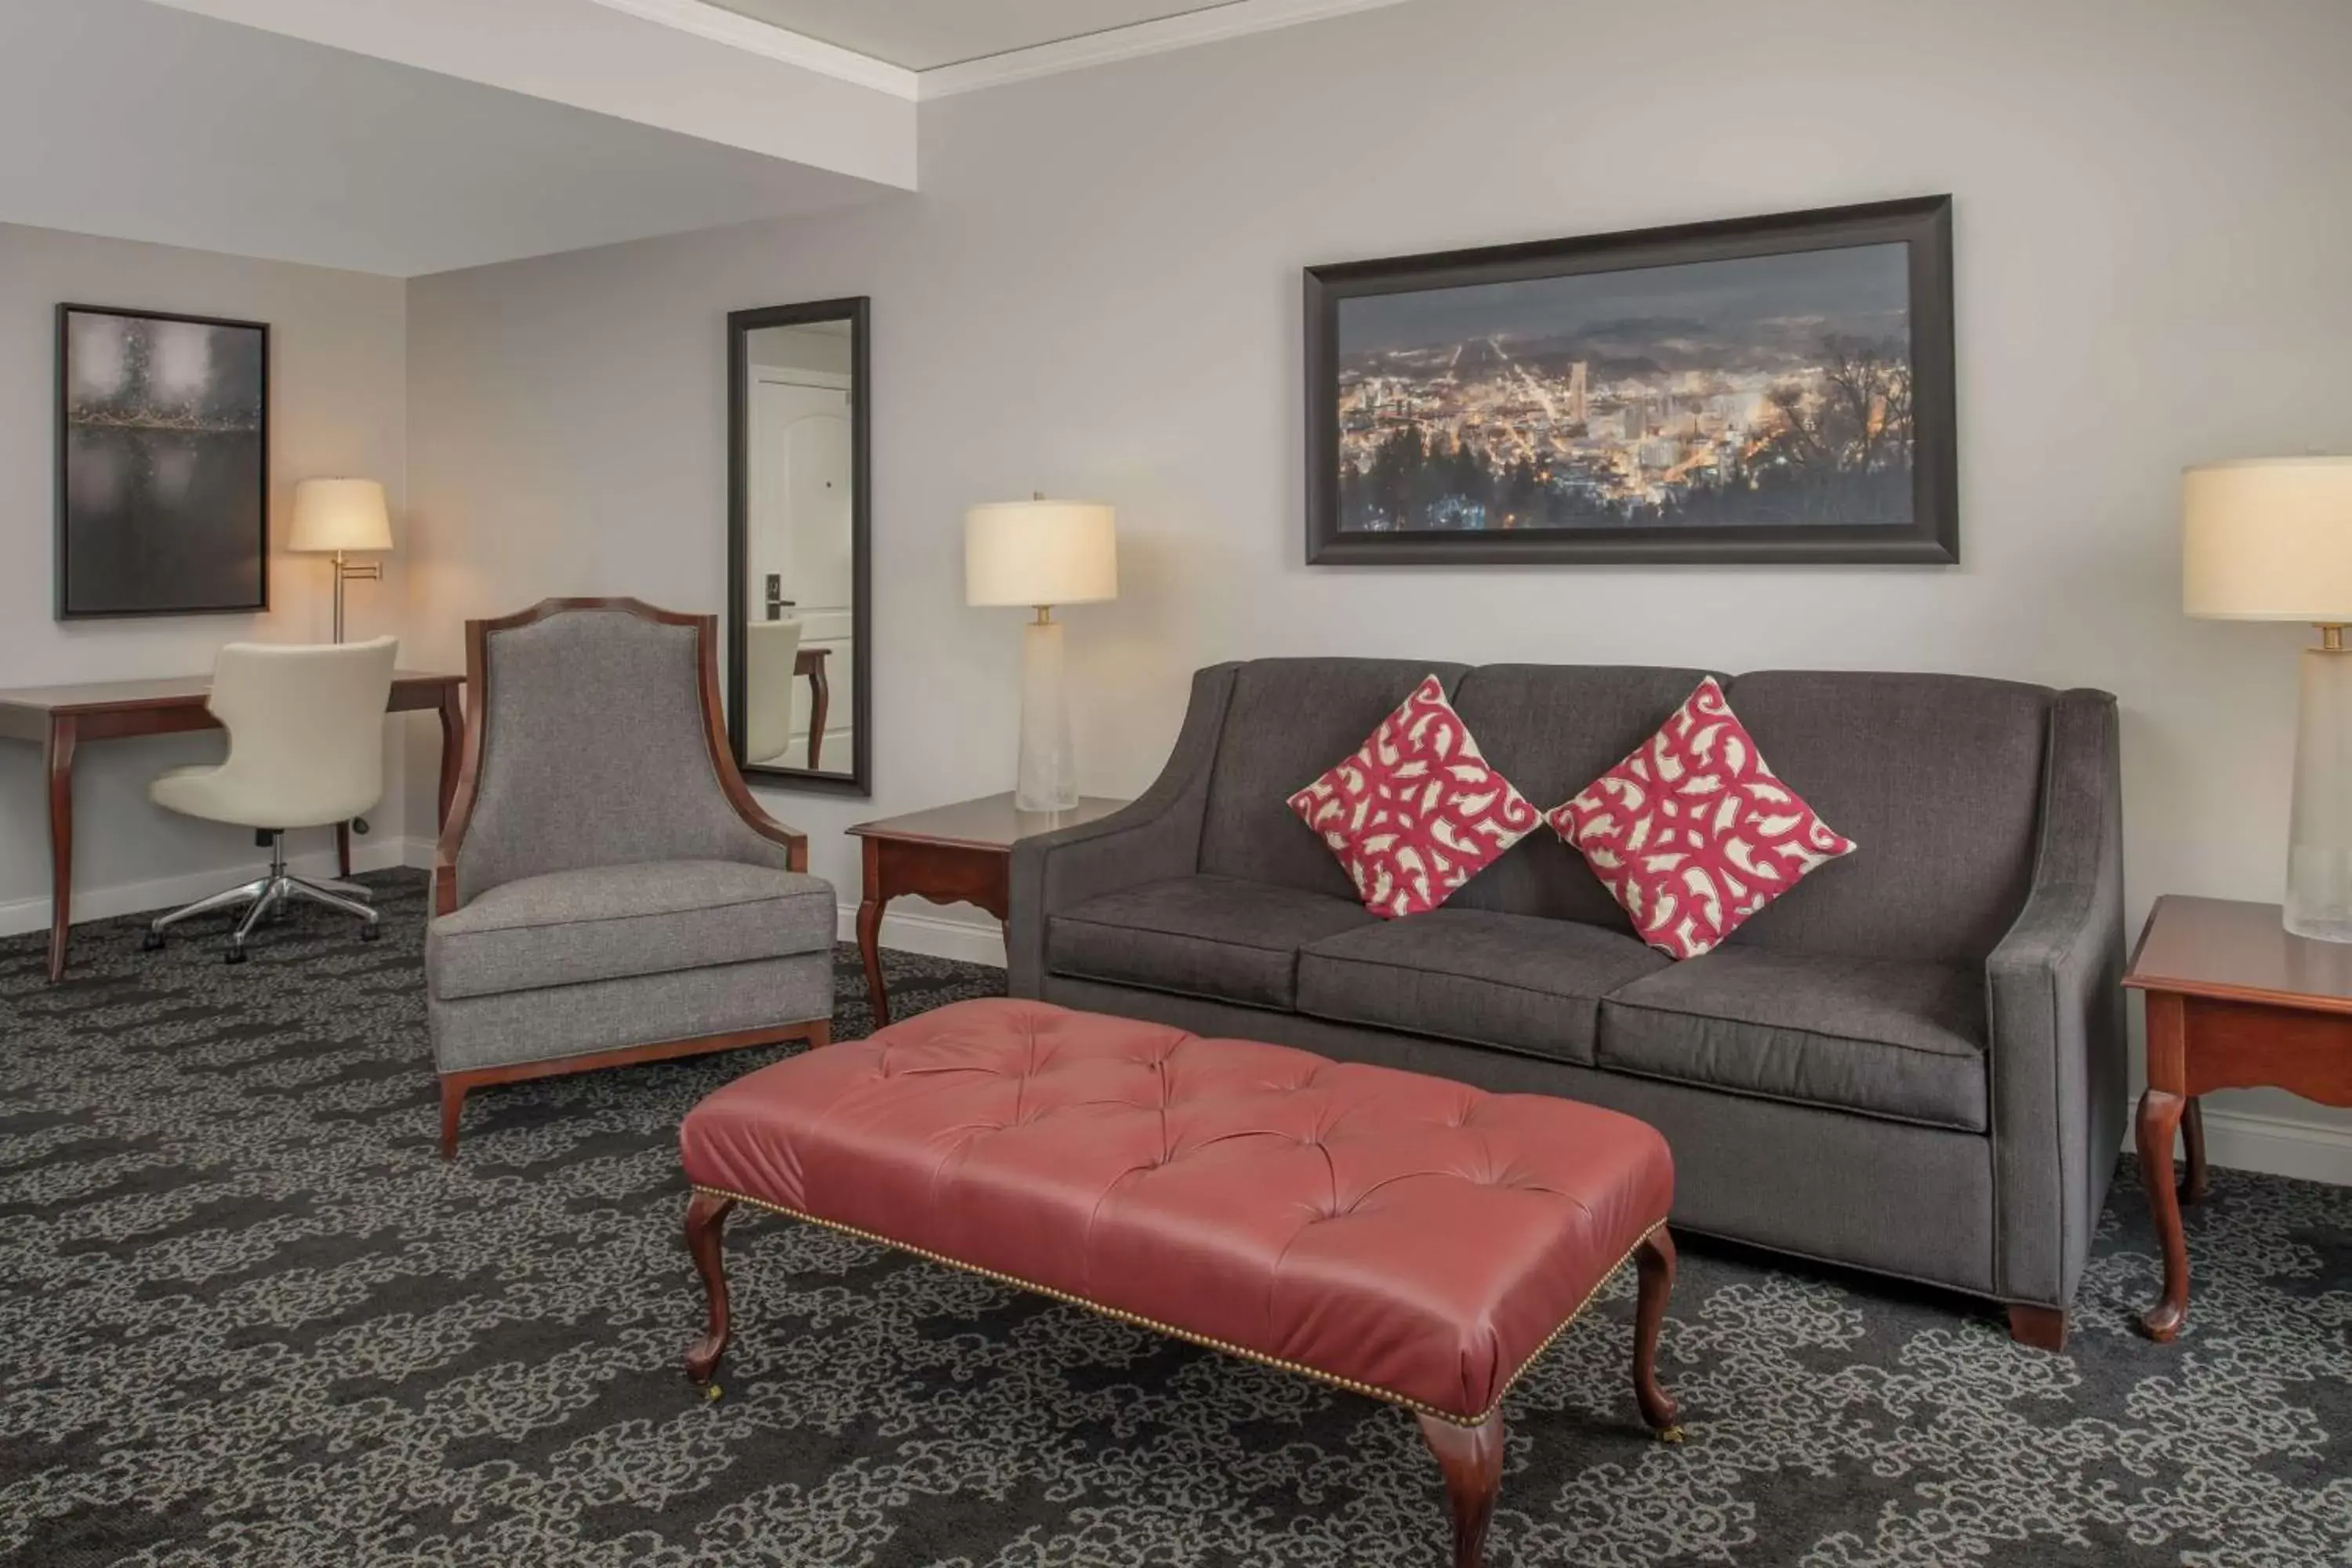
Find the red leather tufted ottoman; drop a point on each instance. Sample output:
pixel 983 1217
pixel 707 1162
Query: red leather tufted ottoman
pixel 1398 1236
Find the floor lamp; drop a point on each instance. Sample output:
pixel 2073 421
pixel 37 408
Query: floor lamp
pixel 342 517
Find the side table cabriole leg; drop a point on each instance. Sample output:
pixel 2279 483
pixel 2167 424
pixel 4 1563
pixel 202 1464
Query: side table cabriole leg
pixel 706 1219
pixel 872 898
pixel 2193 1141
pixel 2160 1110
pixel 2159 1119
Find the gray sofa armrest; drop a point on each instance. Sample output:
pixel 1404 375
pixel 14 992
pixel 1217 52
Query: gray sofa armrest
pixel 1156 836
pixel 2057 1054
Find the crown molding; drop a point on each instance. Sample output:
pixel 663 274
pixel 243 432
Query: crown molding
pixel 723 27
pixel 1234 19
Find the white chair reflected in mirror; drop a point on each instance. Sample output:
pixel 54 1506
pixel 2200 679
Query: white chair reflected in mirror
pixel 770 663
pixel 305 750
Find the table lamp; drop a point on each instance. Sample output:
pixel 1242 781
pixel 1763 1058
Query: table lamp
pixel 1042 552
pixel 343 516
pixel 2269 539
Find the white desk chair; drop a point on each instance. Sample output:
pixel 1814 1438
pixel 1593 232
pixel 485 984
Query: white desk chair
pixel 305 750
pixel 771 656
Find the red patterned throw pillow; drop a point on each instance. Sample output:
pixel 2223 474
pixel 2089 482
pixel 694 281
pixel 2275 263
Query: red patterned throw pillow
pixel 1416 812
pixel 1693 832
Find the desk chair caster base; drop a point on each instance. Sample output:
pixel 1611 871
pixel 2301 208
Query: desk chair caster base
pixel 270 898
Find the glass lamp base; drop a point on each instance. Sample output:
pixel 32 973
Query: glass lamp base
pixel 2319 893
pixel 1048 778
pixel 2320 834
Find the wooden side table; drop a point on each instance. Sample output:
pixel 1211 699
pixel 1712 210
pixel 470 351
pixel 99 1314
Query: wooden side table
pixel 2234 1001
pixel 952 854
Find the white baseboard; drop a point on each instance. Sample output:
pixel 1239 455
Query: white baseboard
pixel 2280 1146
pixel 933 936
pixel 370 853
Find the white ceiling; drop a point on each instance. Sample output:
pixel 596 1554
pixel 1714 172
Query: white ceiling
pixel 923 35
pixel 135 121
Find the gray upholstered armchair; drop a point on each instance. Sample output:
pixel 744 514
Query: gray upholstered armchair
pixel 607 891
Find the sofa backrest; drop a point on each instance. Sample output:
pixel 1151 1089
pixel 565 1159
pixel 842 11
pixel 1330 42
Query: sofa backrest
pixel 1288 722
pixel 1552 729
pixel 1936 777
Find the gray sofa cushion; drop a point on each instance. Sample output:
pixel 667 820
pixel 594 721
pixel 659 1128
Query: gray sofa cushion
pixel 1203 936
pixel 1287 721
pixel 609 922
pixel 1892 1039
pixel 1480 976
pixel 1937 777
pixel 1552 729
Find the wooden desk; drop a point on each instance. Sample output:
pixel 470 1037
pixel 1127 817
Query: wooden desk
pixel 60 718
pixel 2234 1001
pixel 952 854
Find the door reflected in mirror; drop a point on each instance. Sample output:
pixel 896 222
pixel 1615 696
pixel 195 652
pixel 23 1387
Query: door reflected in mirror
pixel 797 609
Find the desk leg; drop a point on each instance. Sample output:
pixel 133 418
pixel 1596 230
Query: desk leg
pixel 452 746
pixel 820 698
pixel 60 753
pixel 343 850
pixel 870 903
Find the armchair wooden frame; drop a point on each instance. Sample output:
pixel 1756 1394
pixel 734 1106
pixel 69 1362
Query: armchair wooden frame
pixel 455 1086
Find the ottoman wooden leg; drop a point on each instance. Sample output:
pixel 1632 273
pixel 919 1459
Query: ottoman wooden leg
pixel 706 1217
pixel 1472 1457
pixel 1656 1262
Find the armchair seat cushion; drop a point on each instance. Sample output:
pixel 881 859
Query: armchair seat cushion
pixel 1217 937
pixel 1519 982
pixel 611 922
pixel 1895 1039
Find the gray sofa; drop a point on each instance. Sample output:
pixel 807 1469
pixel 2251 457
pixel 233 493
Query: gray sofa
pixel 1912 1063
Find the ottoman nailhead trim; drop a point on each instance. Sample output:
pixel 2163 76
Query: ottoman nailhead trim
pixel 1205 1341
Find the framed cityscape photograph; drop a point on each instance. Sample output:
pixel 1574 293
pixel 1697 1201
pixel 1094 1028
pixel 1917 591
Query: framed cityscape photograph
pixel 1764 389
pixel 163 464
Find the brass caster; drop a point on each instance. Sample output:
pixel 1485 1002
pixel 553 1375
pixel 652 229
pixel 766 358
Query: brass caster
pixel 710 1392
pixel 1671 1435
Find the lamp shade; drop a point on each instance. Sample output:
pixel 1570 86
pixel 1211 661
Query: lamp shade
pixel 1040 552
pixel 340 514
pixel 2268 540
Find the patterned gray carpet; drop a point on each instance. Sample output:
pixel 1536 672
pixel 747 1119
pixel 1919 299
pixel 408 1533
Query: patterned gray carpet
pixel 245 1317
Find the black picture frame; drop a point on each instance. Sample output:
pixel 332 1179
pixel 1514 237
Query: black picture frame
pixel 1931 536
pixel 121 578
pixel 856 310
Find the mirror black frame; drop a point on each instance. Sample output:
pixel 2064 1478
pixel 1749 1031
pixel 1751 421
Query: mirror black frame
pixel 741 324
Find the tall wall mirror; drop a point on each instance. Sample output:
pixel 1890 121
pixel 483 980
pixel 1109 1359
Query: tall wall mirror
pixel 799 596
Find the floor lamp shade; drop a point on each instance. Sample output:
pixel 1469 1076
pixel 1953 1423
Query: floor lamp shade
pixel 340 514
pixel 2271 540
pixel 1041 553
pixel 340 517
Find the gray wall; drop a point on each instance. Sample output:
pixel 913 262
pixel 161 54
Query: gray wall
pixel 337 369
pixel 1096 294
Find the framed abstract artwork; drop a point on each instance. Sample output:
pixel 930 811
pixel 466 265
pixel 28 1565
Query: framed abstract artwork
pixel 162 478
pixel 1764 389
